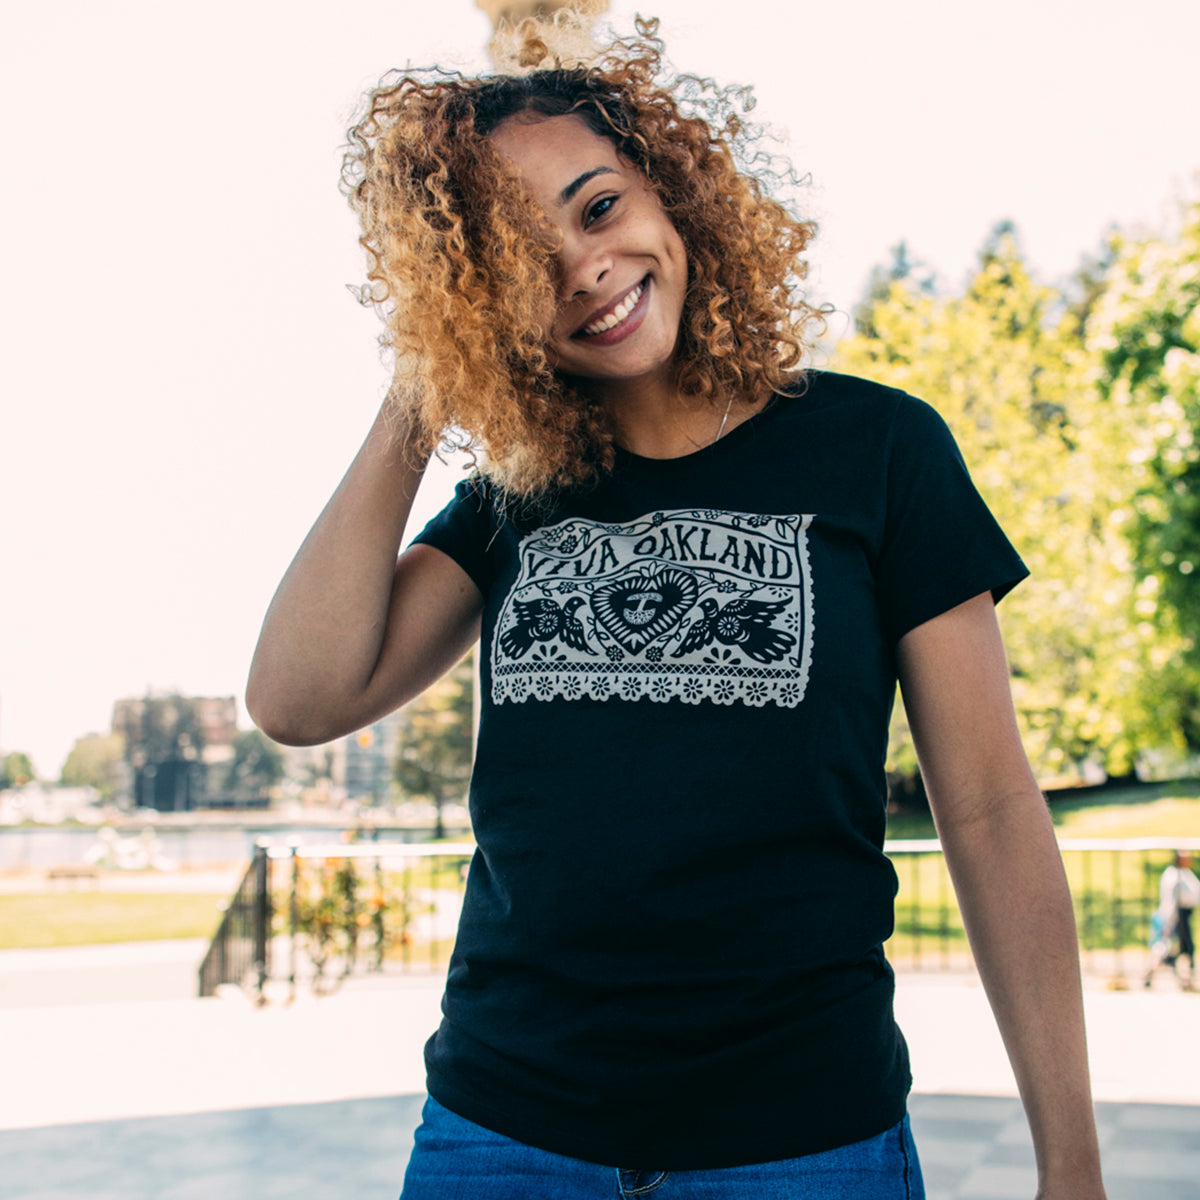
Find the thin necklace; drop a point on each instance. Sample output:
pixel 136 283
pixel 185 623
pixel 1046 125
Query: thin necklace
pixel 724 421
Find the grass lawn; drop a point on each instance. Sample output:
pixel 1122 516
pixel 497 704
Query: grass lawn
pixel 86 918
pixel 1164 810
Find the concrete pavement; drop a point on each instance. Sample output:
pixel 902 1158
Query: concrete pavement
pixel 116 1082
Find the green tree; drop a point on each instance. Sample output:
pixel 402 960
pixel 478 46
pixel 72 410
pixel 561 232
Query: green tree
pixel 1006 365
pixel 1145 330
pixel 16 769
pixel 95 761
pixel 256 767
pixel 435 743
pixel 914 274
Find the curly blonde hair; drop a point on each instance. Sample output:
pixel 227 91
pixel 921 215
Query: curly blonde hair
pixel 461 262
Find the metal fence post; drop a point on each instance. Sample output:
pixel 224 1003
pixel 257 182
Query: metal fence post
pixel 1117 982
pixel 1087 938
pixel 293 923
pixel 914 862
pixel 262 919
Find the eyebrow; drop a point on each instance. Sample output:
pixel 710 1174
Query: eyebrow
pixel 568 193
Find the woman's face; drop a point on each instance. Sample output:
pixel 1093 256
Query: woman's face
pixel 622 266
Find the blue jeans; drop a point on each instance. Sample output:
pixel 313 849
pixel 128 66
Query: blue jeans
pixel 455 1159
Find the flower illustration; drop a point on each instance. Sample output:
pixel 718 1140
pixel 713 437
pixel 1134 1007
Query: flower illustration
pixel 723 691
pixel 614 652
pixel 693 689
pixel 660 688
pixel 756 692
pixel 789 694
pixel 654 654
pixel 757 521
pixel 631 687
pixel 726 585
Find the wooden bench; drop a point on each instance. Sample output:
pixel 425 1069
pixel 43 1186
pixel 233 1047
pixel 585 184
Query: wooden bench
pixel 73 875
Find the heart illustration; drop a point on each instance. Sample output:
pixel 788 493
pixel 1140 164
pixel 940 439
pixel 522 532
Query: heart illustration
pixel 640 608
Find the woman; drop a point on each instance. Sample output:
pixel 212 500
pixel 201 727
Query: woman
pixel 696 573
pixel 1171 922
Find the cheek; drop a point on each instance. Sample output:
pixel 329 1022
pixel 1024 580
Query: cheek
pixel 679 261
pixel 676 251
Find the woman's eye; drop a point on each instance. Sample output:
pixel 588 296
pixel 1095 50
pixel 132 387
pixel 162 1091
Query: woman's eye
pixel 601 208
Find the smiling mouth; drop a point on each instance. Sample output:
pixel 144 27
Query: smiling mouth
pixel 620 313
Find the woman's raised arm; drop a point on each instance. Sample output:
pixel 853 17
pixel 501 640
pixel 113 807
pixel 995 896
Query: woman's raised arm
pixel 353 632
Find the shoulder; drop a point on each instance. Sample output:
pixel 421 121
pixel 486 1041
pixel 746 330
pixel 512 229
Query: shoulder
pixel 875 413
pixel 818 391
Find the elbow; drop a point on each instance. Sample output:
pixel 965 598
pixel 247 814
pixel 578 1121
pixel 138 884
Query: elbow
pixel 283 719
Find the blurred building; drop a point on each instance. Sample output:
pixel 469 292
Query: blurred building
pixel 177 747
pixel 317 774
pixel 369 756
pixel 359 767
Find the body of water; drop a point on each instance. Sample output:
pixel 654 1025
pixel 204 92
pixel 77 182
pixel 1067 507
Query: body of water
pixel 187 847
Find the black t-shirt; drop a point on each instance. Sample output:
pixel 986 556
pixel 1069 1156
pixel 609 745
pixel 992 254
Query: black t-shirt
pixel 670 947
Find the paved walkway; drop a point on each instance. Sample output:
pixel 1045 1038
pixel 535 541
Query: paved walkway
pixel 116 1083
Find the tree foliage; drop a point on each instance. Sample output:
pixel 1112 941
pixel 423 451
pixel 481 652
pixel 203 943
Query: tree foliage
pixel 163 729
pixel 1009 367
pixel 1144 330
pixel 435 743
pixel 16 769
pixel 256 767
pixel 95 761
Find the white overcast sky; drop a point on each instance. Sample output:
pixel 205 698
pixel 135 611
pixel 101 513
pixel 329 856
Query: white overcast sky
pixel 184 376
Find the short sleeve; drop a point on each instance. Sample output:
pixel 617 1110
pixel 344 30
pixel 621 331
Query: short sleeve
pixel 463 530
pixel 941 544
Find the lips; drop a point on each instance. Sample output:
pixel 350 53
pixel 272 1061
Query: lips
pixel 611 319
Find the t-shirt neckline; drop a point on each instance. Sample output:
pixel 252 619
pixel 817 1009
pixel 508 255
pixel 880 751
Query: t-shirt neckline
pixel 738 434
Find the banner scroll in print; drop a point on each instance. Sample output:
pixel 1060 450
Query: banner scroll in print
pixel 689 604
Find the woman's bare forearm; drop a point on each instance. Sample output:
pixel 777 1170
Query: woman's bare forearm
pixel 1000 848
pixel 324 632
pixel 1012 889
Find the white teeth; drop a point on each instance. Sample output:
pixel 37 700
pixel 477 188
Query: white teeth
pixel 618 314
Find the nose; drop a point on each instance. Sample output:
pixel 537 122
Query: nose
pixel 584 267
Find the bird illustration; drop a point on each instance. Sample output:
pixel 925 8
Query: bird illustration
pixel 743 623
pixel 542 621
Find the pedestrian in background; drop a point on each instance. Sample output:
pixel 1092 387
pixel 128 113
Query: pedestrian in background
pixel 1171 938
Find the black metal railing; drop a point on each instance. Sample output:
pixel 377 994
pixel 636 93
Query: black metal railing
pixel 240 952
pixel 377 908
pixel 1114 884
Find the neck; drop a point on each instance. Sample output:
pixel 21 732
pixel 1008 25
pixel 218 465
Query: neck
pixel 658 422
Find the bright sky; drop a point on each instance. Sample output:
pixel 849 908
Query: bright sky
pixel 185 376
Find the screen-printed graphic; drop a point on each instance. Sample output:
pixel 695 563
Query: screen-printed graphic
pixel 685 604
